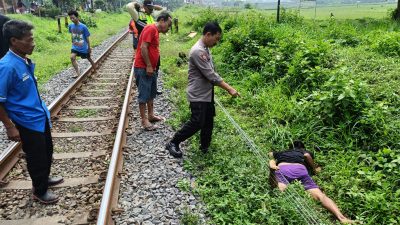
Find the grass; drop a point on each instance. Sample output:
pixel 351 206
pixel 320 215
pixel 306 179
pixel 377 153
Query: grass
pixel 85 113
pixel 231 180
pixel 377 11
pixel 52 50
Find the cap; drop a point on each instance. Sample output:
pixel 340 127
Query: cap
pixel 148 3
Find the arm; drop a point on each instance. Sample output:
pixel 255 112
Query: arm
pixel 88 43
pixel 272 162
pixel 228 88
pixel 145 54
pixel 310 161
pixel 132 11
pixel 158 7
pixel 12 131
pixel 203 63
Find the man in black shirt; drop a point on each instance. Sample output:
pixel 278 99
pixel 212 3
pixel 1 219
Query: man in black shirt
pixel 292 165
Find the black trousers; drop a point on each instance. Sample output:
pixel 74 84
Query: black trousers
pixel 202 119
pixel 38 148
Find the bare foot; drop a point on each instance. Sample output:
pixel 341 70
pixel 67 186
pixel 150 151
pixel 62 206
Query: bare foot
pixel 154 119
pixel 347 221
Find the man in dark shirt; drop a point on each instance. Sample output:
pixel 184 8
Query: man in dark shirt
pixel 3 42
pixel 292 165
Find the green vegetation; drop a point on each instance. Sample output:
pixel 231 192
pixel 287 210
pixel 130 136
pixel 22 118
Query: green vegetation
pixel 53 49
pixel 331 83
pixel 85 113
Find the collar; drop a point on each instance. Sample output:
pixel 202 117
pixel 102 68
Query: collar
pixel 25 60
pixel 201 43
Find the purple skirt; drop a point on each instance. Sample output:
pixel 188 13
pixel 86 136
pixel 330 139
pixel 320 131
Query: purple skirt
pixel 288 173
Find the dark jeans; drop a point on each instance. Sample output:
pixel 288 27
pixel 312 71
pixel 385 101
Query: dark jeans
pixel 202 118
pixel 38 148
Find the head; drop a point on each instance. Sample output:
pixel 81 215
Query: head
pixel 19 36
pixel 164 22
pixel 148 6
pixel 73 16
pixel 211 34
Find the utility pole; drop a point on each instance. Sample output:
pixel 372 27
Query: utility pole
pixel 278 10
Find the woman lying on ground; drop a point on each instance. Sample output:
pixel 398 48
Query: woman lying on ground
pixel 292 165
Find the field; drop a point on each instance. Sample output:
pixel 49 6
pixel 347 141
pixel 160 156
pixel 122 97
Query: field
pixel 378 11
pixel 331 83
pixel 52 49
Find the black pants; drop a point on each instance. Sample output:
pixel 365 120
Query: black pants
pixel 202 118
pixel 38 148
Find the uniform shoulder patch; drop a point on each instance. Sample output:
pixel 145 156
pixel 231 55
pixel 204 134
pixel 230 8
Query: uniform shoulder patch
pixel 204 57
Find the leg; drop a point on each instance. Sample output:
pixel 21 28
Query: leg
pixel 207 128
pixel 35 148
pixel 193 125
pixel 75 64
pixel 144 120
pixel 282 187
pixel 150 105
pixel 143 83
pixel 49 148
pixel 329 204
pixel 92 63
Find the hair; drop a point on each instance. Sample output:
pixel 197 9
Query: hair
pixel 164 16
pixel 297 144
pixel 16 29
pixel 146 2
pixel 73 12
pixel 212 27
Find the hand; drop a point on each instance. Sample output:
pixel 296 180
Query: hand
pixel 13 134
pixel 233 92
pixel 274 167
pixel 317 170
pixel 149 70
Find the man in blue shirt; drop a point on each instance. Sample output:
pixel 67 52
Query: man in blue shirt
pixel 80 42
pixel 22 111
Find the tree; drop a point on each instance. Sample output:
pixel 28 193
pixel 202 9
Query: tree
pixel 396 13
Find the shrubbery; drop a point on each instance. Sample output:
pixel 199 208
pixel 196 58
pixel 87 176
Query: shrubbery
pixel 333 84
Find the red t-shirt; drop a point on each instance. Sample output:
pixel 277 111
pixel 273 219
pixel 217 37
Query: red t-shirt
pixel 150 35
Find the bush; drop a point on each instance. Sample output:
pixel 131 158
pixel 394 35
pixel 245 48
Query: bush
pixel 50 11
pixel 388 44
pixel 88 20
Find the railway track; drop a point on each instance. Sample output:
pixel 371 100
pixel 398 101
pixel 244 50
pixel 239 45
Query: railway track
pixel 89 121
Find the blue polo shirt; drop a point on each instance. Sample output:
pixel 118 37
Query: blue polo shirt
pixel 19 94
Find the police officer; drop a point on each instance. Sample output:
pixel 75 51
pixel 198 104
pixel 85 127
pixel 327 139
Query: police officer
pixel 200 91
pixel 22 111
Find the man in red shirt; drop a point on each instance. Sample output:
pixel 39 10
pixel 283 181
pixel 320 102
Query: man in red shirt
pixel 146 61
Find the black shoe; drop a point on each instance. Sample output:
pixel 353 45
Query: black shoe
pixel 159 92
pixel 174 150
pixel 55 180
pixel 47 198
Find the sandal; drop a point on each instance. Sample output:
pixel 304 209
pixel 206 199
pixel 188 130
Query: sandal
pixel 157 119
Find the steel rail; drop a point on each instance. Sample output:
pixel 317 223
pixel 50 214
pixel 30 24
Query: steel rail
pixel 105 211
pixel 10 155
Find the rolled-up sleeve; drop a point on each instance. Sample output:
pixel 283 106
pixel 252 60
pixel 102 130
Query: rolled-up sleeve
pixel 202 62
pixel 5 83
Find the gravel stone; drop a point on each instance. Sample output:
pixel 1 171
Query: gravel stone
pixel 151 175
